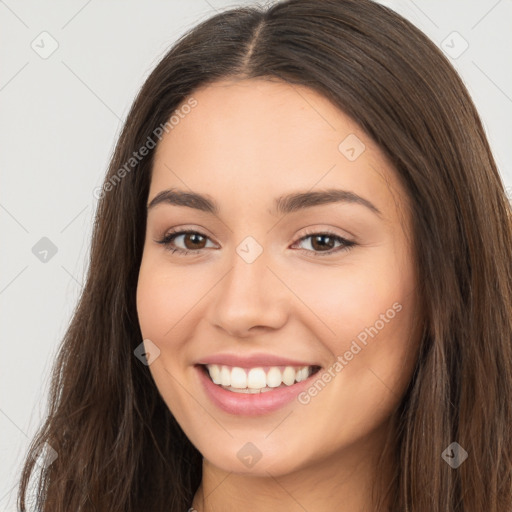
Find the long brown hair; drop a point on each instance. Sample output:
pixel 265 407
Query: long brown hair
pixel 119 447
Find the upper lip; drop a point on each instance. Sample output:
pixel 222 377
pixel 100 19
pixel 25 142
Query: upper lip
pixel 253 360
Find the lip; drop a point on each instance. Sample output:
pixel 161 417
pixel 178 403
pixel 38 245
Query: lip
pixel 257 404
pixel 253 361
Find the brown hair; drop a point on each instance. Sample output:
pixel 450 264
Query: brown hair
pixel 119 447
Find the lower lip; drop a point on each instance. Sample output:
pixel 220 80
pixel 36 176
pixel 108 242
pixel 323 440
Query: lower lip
pixel 249 404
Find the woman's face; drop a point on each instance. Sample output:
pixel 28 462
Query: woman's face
pixel 279 276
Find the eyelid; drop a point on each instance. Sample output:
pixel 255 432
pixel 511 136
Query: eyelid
pixel 174 233
pixel 347 244
pixel 316 230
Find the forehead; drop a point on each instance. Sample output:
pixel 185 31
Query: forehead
pixel 264 138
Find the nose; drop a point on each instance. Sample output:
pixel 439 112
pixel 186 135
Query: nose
pixel 250 299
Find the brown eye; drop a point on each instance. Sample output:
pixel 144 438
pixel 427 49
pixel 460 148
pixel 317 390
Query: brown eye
pixel 324 244
pixel 196 241
pixel 192 241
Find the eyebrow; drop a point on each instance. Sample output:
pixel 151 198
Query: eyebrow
pixel 285 204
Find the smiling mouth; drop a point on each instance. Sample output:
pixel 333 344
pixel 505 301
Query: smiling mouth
pixel 258 379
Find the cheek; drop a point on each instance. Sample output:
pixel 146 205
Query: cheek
pixel 152 298
pixel 369 311
pixel 346 299
pixel 364 313
pixel 164 296
pixel 169 305
pixel 162 299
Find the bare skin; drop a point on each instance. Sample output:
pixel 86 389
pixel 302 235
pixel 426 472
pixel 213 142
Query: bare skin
pixel 244 144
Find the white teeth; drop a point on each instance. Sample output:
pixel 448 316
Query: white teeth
pixel 289 376
pixel 302 374
pixel 239 378
pixel 214 371
pixel 274 377
pixel 256 380
pixel 225 376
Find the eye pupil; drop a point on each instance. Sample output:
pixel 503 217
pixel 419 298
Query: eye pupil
pixel 317 238
pixel 196 239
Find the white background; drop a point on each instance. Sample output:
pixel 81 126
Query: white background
pixel 59 120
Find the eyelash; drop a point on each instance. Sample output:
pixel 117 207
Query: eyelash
pixel 347 244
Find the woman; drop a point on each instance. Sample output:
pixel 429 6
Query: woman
pixel 300 287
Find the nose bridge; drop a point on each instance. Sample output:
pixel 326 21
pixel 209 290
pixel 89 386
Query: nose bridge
pixel 249 270
pixel 249 295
